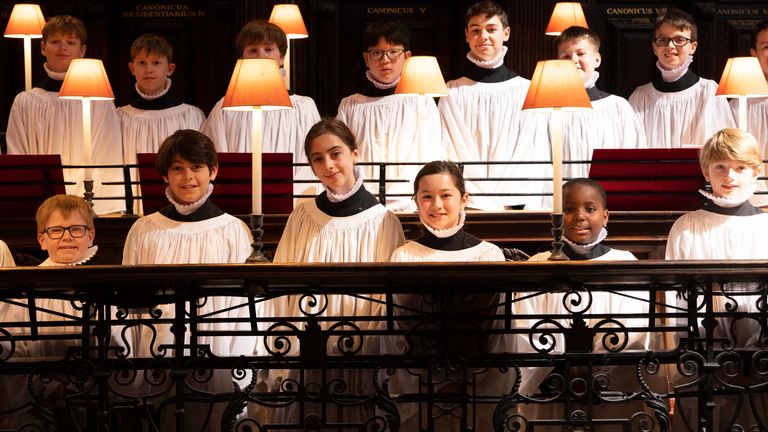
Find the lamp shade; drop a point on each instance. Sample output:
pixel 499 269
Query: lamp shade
pixel 25 20
pixel 566 14
pixel 288 17
pixel 256 83
pixel 86 78
pixel 742 76
pixel 421 76
pixel 556 85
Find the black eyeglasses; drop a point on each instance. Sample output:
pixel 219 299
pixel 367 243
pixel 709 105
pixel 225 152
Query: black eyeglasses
pixel 57 232
pixel 678 41
pixel 378 54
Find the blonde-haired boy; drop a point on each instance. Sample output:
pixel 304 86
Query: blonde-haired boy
pixel 42 123
pixel 728 227
pixel 611 123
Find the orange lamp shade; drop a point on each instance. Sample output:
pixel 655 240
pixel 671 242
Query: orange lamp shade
pixel 25 20
pixel 422 76
pixel 556 85
pixel 288 17
pixel 86 78
pixel 566 14
pixel 742 76
pixel 256 83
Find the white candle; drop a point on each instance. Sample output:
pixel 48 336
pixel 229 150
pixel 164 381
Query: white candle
pixel 256 160
pixel 27 63
pixel 742 113
pixel 557 160
pixel 87 138
pixel 287 66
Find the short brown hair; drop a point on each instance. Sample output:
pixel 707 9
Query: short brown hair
pixel 190 145
pixel 152 43
pixel 260 31
pixel 67 205
pixel 441 167
pixel 488 9
pixel 731 144
pixel 329 125
pixel 576 33
pixel 678 19
pixel 65 24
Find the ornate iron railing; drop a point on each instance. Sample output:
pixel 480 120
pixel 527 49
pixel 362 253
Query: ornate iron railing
pixel 365 347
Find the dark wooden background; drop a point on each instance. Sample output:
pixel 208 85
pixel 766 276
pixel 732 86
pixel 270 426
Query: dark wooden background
pixel 328 65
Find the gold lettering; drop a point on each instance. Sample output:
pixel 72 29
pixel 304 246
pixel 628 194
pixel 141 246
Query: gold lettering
pixel 629 11
pixel 737 11
pixel 163 11
pixel 392 10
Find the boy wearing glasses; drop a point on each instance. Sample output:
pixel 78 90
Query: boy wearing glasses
pixel 482 118
pixel 678 108
pixel 387 126
pixel 283 130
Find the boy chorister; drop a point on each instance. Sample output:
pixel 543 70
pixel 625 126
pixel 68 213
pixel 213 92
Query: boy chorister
pixel 728 227
pixel 42 123
pixel 386 125
pixel 482 118
pixel 678 108
pixel 610 123
pixel 155 113
pixel 283 130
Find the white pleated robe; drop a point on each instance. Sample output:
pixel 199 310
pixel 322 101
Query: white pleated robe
pixel 490 382
pixel 283 132
pixel 485 122
pixel 388 129
pixel 610 124
pixel 704 235
pixel 145 130
pixel 687 117
pixel 224 239
pixel 621 378
pixel 41 123
pixel 311 236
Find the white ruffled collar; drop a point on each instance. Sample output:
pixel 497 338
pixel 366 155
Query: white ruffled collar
pixel 730 202
pixel 380 85
pixel 188 209
pixel 592 80
pixel 88 255
pixel 583 249
pixel 448 232
pixel 159 94
pixel 672 75
pixel 334 197
pixel 58 76
pixel 489 64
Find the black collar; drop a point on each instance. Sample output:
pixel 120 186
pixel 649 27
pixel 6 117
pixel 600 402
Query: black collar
pixel 459 241
pixel 744 209
pixel 368 89
pixel 359 202
pixel 165 101
pixel 478 74
pixel 596 252
pixel 49 84
pixel 684 82
pixel 596 94
pixel 205 212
